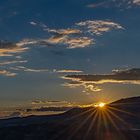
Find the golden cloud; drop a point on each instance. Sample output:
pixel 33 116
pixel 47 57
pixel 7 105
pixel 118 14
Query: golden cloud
pixel 98 27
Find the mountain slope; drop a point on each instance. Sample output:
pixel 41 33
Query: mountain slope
pixel 119 120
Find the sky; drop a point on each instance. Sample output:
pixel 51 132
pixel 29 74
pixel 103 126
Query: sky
pixel 68 52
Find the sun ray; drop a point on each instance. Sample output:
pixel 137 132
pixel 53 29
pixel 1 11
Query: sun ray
pixel 92 123
pixel 122 111
pixel 119 118
pixel 76 129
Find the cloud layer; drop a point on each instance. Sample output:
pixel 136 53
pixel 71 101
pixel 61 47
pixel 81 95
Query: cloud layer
pixel 90 82
pixel 80 36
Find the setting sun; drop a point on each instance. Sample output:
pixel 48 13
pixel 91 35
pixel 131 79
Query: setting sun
pixel 101 105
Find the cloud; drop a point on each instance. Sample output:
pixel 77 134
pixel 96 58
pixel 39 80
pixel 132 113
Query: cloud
pixel 82 35
pixel 68 71
pixel 10 48
pixel 26 42
pixel 81 42
pixel 69 38
pixel 14 114
pixel 87 87
pixel 57 39
pixel 9 114
pixel 117 76
pixel 98 27
pixel 44 109
pixel 7 73
pixel 9 51
pixel 129 76
pixel 22 68
pixel 91 88
pixel 95 5
pixel 64 31
pixel 12 62
pixel 50 105
pixel 33 23
pixel 120 4
pixel 78 37
pixel 39 24
pixel 137 2
pixel 38 102
pixel 49 102
pixel 70 42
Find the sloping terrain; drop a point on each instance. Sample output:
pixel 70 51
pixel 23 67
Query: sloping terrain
pixel 119 120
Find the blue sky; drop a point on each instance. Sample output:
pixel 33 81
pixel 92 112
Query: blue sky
pixel 44 40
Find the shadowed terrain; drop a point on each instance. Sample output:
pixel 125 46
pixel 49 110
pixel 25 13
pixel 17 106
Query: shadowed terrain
pixel 119 120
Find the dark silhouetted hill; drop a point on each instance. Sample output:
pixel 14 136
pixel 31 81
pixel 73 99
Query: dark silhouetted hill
pixel 119 120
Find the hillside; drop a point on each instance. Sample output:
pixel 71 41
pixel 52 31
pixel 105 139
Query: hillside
pixel 118 121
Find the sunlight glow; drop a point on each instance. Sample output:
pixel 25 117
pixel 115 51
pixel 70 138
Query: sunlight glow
pixel 101 105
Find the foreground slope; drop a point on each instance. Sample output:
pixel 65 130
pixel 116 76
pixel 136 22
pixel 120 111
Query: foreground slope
pixel 119 120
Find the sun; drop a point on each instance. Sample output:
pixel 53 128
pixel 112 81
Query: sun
pixel 100 105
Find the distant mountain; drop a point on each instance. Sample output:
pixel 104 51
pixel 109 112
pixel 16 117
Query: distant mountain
pixel 119 120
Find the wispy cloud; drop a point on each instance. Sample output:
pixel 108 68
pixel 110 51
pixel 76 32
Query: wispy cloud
pixel 9 51
pixel 91 88
pixel 98 27
pixel 39 24
pixel 130 76
pixel 120 4
pixel 81 42
pixel 7 73
pixel 27 42
pixel 68 71
pixel 82 35
pixel 33 23
pixel 10 48
pixel 136 2
pixel 46 109
pixel 12 62
pixel 71 38
pixel 87 87
pixel 49 102
pixel 76 37
pixel 95 5
pixel 38 107
pixel 25 69
pixel 64 31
